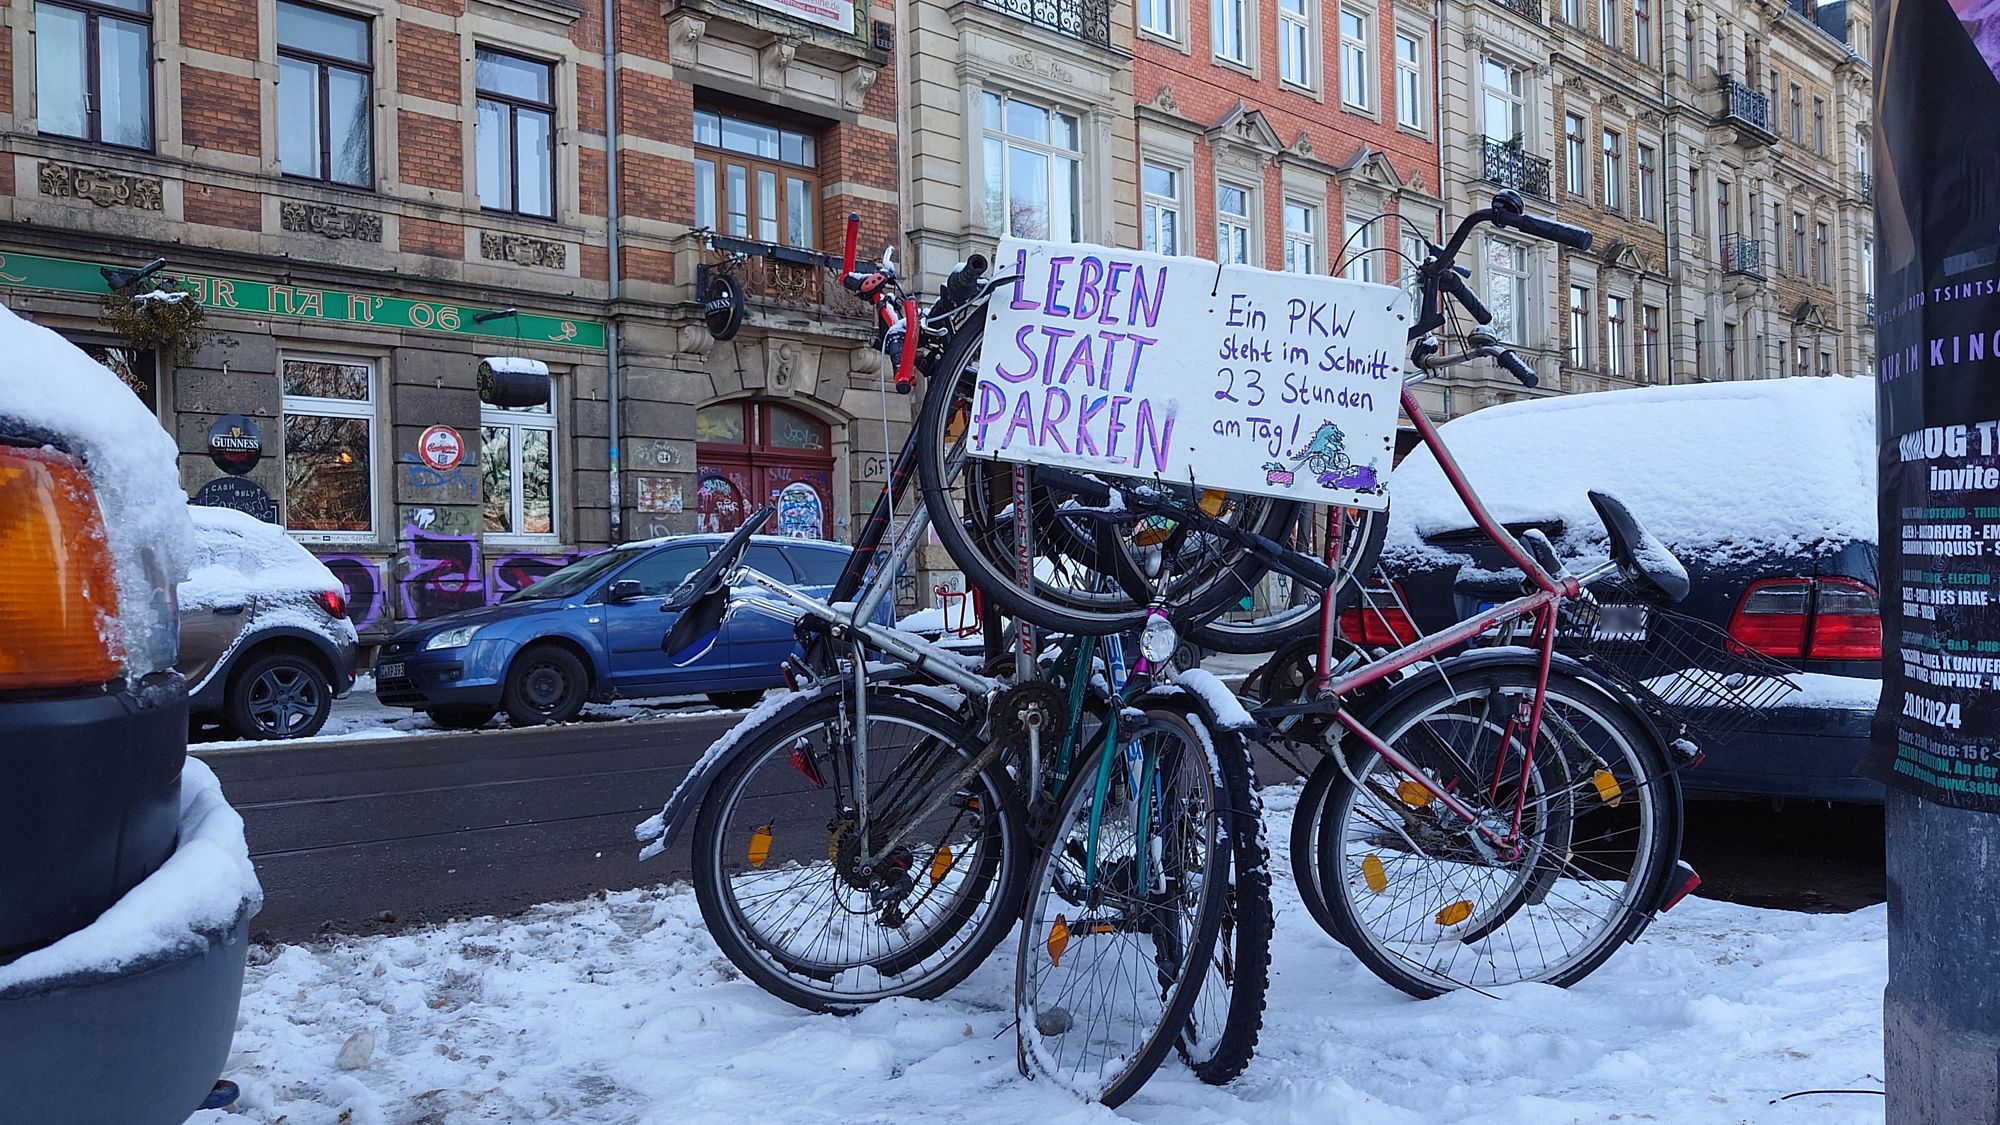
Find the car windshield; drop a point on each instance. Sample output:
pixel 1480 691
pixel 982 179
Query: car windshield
pixel 571 580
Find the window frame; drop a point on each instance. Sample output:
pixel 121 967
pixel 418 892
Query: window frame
pixel 1246 32
pixel 1172 12
pixel 1572 12
pixel 318 407
pixel 1822 253
pixel 1306 22
pixel 1649 343
pixel 1798 114
pixel 1580 311
pixel 93 78
pixel 1153 204
pixel 1617 339
pixel 1608 30
pixel 720 158
pixel 322 64
pixel 513 105
pixel 1411 99
pixel 1252 245
pixel 1649 183
pixel 1514 98
pixel 1642 30
pixel 1729 350
pixel 1358 236
pixel 1523 276
pixel 1612 191
pixel 1307 239
pixel 1049 150
pixel 494 417
pixel 1363 49
pixel 1819 125
pixel 1799 244
pixel 1576 173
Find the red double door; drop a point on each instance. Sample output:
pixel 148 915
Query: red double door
pixel 752 452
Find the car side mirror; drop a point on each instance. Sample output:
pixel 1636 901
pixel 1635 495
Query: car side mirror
pixel 623 590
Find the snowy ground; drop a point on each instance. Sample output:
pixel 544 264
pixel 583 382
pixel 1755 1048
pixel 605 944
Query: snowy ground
pixel 622 1010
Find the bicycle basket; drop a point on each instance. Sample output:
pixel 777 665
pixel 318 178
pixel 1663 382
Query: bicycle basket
pixel 1680 667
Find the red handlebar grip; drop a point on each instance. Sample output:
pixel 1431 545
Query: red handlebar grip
pixel 853 237
pixel 906 368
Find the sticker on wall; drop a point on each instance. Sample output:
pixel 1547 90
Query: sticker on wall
pixel 441 448
pixel 800 513
pixel 658 494
pixel 235 444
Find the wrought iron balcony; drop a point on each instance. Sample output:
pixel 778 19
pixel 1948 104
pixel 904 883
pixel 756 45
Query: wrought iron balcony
pixel 1748 112
pixel 1088 20
pixel 1868 308
pixel 1526 9
pixel 1867 186
pixel 785 278
pixel 1509 165
pixel 1743 255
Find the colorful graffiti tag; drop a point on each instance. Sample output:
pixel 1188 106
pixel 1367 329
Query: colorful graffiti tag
pixel 435 573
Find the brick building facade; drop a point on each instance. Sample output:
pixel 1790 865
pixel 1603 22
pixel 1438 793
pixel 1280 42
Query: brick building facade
pixel 368 197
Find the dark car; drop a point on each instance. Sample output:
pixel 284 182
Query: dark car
pixel 1764 490
pixel 592 631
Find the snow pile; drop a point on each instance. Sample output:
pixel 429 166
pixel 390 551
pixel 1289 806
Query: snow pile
pixel 620 1009
pixel 238 558
pixel 1716 470
pixel 63 395
pixel 198 892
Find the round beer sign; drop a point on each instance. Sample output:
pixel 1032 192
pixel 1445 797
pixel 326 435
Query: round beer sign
pixel 441 448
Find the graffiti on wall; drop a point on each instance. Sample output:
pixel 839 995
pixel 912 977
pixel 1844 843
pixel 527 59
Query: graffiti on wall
pixel 363 578
pixel 436 573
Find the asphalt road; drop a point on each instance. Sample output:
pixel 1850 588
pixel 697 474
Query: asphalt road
pixel 369 836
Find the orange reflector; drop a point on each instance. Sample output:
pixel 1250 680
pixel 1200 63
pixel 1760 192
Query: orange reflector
pixel 57 592
pixel 1455 913
pixel 1152 533
pixel 1212 500
pixel 1104 928
pixel 1373 874
pixel 1058 939
pixel 1607 787
pixel 760 845
pixel 1412 794
pixel 941 864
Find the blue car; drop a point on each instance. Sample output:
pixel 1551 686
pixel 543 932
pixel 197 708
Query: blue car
pixel 592 631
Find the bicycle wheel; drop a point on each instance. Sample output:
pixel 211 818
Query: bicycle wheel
pixel 777 857
pixel 1429 904
pixel 1123 910
pixel 1093 570
pixel 1362 534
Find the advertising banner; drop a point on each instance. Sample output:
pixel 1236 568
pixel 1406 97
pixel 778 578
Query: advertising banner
pixel 1230 377
pixel 1937 159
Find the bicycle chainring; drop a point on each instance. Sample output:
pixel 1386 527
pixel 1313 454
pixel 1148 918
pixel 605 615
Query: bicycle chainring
pixel 1030 705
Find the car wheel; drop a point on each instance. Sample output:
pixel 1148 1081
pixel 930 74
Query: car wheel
pixel 282 695
pixel 461 718
pixel 547 684
pixel 735 700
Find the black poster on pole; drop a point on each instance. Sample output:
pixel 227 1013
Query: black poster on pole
pixel 1937 157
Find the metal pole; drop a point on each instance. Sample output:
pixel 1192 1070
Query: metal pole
pixel 611 374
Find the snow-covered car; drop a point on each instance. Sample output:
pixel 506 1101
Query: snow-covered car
pixel 126 889
pixel 265 642
pixel 1765 491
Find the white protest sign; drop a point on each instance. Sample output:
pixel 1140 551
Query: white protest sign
pixel 1136 364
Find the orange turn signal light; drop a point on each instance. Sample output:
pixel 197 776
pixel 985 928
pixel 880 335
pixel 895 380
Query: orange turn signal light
pixel 58 593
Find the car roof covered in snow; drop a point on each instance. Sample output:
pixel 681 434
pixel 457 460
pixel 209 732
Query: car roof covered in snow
pixel 1716 470
pixel 238 556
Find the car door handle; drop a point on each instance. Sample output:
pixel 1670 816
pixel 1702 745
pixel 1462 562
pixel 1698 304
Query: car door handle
pixel 227 610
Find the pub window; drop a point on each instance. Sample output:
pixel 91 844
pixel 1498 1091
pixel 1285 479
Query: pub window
pixel 325 66
pixel 329 417
pixel 754 179
pixel 516 133
pixel 94 71
pixel 517 471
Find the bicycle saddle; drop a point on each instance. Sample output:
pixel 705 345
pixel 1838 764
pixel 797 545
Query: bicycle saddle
pixel 1645 561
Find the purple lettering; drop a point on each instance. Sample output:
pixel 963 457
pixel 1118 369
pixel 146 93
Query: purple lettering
pixel 1088 275
pixel 1021 342
pixel 1023 419
pixel 1116 426
pixel 1053 398
pixel 1140 305
pixel 1084 355
pixel 1132 369
pixel 1053 335
pixel 1020 274
pixel 1111 290
pixel 1084 441
pixel 1055 285
pixel 1161 434
pixel 992 404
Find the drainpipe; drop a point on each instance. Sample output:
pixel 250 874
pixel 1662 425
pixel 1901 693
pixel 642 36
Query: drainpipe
pixel 1669 181
pixel 612 374
pixel 1437 112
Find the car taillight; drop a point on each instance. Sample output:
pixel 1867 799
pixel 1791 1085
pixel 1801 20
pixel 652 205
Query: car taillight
pixel 1378 620
pixel 1812 619
pixel 58 592
pixel 334 602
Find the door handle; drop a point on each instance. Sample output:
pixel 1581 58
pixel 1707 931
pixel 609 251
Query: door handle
pixel 227 610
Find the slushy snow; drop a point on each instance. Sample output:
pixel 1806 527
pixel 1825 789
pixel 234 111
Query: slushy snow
pixel 620 1009
pixel 238 557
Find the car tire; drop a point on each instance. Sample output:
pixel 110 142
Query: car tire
pixel 279 695
pixel 547 684
pixel 735 700
pixel 461 718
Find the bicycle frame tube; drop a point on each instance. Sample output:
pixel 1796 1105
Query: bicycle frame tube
pixel 879 517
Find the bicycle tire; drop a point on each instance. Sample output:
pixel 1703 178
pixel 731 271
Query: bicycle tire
pixel 1295 623
pixel 1579 790
pixel 1135 937
pixel 1082 604
pixel 981 901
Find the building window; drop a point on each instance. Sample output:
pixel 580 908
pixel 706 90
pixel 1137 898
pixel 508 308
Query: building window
pixel 94 71
pixel 1826 363
pixel 1505 102
pixel 756 180
pixel 1301 238
pixel 1575 176
pixel 1822 255
pixel 1034 170
pixel 1572 13
pixel 1642 30
pixel 1359 263
pixel 1649 185
pixel 1356 73
pixel 1159 17
pixel 517 470
pixel 1868 274
pixel 1617 339
pixel 1799 243
pixel 1649 344
pixel 1614 171
pixel 517 114
pixel 1798 115
pixel 1409 81
pixel 1607 21
pixel 1507 290
pixel 1232 224
pixel 1579 326
pixel 1687 40
pixel 1412 247
pixel 1721 47
pixel 1819 126
pixel 1723 227
pixel 1694 199
pixel 1799 360
pixel 1728 350
pixel 1232 30
pixel 1700 330
pixel 1862 144
pixel 1163 208
pixel 1295 40
pixel 329 415
pixel 325 67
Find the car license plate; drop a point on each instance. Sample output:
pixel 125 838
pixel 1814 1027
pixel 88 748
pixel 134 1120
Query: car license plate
pixel 391 671
pixel 1621 624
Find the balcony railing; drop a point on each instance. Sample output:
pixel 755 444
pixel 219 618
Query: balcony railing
pixel 787 277
pixel 1868 308
pixel 1748 111
pixel 1088 20
pixel 1509 165
pixel 1742 254
pixel 1527 9
pixel 1867 186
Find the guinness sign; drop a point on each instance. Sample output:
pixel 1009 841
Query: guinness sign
pixel 234 444
pixel 722 306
